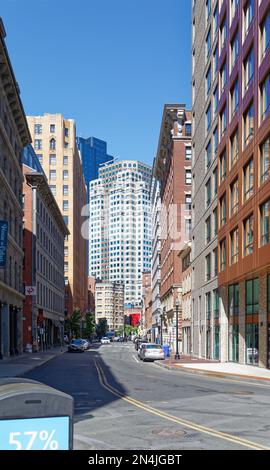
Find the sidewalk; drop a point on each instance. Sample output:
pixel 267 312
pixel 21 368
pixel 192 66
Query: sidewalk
pixel 20 365
pixel 214 368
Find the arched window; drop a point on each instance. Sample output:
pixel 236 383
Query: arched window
pixel 52 144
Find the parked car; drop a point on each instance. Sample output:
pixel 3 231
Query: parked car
pixel 151 352
pixel 86 344
pixel 105 340
pixel 76 345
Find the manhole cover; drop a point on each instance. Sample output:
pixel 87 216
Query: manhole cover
pixel 165 432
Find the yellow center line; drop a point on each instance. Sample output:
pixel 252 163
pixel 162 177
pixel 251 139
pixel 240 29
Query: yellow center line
pixel 175 419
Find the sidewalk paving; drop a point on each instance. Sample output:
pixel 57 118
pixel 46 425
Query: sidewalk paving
pixel 20 365
pixel 215 368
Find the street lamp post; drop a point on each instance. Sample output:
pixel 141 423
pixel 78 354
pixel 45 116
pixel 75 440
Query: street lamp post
pixel 177 355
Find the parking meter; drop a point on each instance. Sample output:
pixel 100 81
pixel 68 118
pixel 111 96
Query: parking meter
pixel 34 416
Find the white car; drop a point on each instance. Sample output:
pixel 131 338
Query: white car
pixel 105 340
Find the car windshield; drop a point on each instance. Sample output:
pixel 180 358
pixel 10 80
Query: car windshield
pixel 76 341
pixel 152 346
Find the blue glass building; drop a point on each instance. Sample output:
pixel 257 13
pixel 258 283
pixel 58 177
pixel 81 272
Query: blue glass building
pixel 94 153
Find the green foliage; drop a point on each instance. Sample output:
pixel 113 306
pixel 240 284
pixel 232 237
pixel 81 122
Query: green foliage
pixel 129 330
pixel 102 327
pixel 90 326
pixel 73 324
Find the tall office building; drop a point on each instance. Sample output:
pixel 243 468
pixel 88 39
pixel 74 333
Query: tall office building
pixel 205 96
pixel 109 301
pixel 120 226
pixel 94 154
pixel 239 31
pixel 14 135
pixel 54 140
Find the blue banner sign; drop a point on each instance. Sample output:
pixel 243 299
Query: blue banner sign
pixel 3 242
pixel 35 434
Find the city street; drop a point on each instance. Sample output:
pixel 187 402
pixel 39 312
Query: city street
pixel 121 403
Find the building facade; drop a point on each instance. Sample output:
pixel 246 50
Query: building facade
pixel 43 273
pixel 94 153
pixel 14 135
pixel 187 332
pixel 155 260
pixel 205 88
pixel 120 226
pixel 173 170
pixel 147 305
pixel 54 141
pixel 110 304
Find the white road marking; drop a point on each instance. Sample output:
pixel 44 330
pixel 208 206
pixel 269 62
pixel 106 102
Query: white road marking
pixel 134 357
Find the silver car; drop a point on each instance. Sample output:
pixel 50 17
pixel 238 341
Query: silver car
pixel 151 352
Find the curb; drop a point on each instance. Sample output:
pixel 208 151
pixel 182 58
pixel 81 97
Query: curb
pixel 211 373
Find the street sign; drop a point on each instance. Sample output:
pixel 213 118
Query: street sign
pixel 30 290
pixel 3 242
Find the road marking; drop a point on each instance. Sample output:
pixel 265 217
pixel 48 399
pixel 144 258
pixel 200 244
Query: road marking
pixel 134 357
pixel 175 419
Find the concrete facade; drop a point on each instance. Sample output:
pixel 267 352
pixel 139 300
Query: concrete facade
pixel 44 233
pixel 54 141
pixel 109 299
pixel 14 135
pixel 204 173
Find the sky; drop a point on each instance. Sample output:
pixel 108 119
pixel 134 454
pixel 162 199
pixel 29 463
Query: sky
pixel 109 64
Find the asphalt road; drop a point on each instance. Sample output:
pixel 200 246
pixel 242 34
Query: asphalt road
pixel 121 403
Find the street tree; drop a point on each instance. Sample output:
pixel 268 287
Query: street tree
pixel 102 327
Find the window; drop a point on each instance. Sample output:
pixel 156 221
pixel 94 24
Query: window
pixel 65 266
pixel 188 152
pixel 265 35
pixel 234 6
pixel 38 144
pixel 234 50
pixel 215 253
pixel 248 69
pixel 53 189
pixel 208 229
pixel 265 223
pixel 264 160
pixel 65 205
pixel 187 227
pixel 208 9
pixel 65 160
pixel 222 248
pixel 208 267
pixel 188 202
pixel 215 62
pixel 216 101
pixel 208 81
pixel 234 99
pixel 248 125
pixel 40 157
pixel 65 174
pixel 233 300
pixel 234 147
pixel 215 215
pixel 66 132
pixel 52 174
pixel 222 167
pixel 265 97
pixel 208 305
pixel 188 129
pixel 252 296
pixel 216 304
pixel 52 144
pixel 223 77
pixel 65 190
pixel 65 217
pixel 216 140
pixel 222 205
pixel 248 15
pixel 234 246
pixel 248 235
pixel 223 34
pixel 216 19
pixel 215 175
pixel 248 180
pixel 209 117
pixel 208 193
pixel 52 159
pixel 188 177
pixel 52 128
pixel 223 121
pixel 38 128
pixel 234 197
pixel 208 154
pixel 208 44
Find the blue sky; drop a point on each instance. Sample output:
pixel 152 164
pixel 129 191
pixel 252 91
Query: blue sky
pixel 109 64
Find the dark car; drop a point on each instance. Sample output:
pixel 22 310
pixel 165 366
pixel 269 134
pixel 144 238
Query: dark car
pixel 76 345
pixel 138 342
